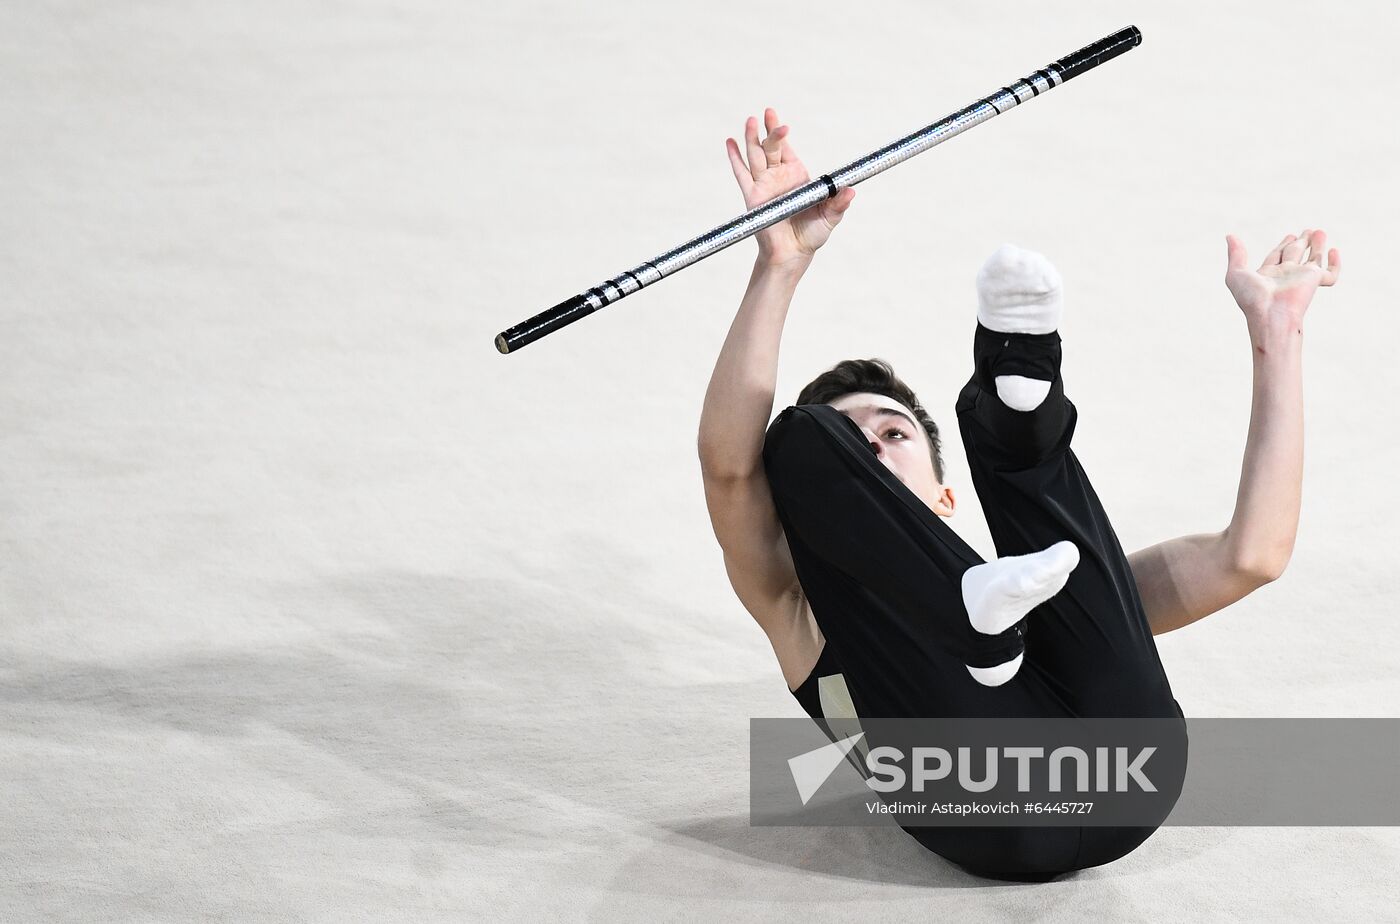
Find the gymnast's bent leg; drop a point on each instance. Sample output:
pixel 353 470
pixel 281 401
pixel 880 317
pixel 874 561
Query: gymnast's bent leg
pixel 1091 643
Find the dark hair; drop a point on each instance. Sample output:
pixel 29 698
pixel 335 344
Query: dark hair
pixel 876 376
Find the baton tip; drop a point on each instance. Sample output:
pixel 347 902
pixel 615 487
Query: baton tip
pixel 501 343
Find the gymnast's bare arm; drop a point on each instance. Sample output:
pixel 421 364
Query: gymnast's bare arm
pixel 739 401
pixel 737 406
pixel 1182 580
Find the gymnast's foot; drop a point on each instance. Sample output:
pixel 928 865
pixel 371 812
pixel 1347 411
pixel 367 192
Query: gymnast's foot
pixel 1019 291
pixel 998 594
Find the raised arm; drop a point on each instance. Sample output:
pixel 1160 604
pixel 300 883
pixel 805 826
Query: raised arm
pixel 739 400
pixel 1182 580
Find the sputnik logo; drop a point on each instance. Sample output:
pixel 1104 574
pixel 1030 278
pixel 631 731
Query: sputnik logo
pixel 811 770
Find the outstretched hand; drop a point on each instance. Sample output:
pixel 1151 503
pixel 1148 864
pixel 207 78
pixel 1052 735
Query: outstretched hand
pixel 1284 284
pixel 772 170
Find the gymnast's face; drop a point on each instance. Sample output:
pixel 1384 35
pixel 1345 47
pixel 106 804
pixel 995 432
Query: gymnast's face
pixel 900 443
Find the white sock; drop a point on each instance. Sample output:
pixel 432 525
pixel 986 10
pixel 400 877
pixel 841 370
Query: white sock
pixel 1019 291
pixel 998 594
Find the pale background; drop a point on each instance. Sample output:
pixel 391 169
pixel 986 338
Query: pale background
pixel 314 607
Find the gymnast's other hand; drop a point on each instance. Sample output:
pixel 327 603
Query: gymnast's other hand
pixel 772 170
pixel 1283 286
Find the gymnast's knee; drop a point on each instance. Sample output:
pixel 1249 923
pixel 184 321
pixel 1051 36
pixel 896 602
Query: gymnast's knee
pixel 803 439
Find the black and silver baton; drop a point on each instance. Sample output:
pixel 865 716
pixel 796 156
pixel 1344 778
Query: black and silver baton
pixel 820 189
